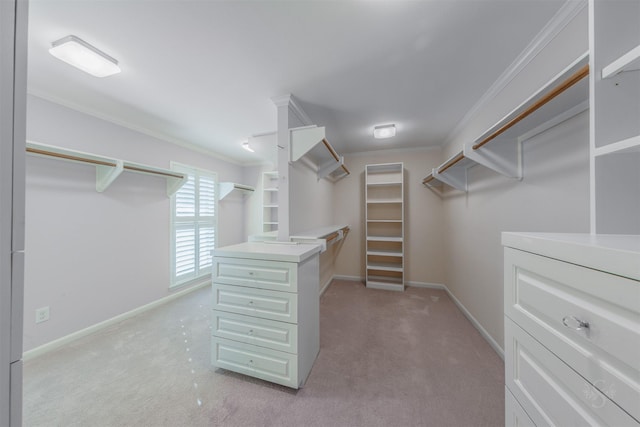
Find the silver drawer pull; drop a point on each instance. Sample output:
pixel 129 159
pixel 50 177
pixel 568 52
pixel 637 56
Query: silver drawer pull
pixel 572 322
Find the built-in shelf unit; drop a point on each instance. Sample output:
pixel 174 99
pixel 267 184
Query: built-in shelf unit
pixel 499 148
pixel 309 145
pixel 614 33
pixel 270 201
pixel 323 236
pixel 384 216
pixel 107 168
pixel 227 188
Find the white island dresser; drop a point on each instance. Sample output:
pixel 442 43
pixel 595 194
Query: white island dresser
pixel 572 329
pixel 266 310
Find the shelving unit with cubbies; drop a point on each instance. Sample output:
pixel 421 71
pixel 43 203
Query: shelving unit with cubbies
pixel 269 201
pixel 615 108
pixel 384 211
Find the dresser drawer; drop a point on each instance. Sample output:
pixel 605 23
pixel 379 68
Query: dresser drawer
pixel 270 365
pixel 550 392
pixel 273 275
pixel 253 330
pixel 549 299
pixel 514 414
pixel 273 305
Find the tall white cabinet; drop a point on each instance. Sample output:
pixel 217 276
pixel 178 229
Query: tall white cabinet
pixel 614 31
pixel 384 216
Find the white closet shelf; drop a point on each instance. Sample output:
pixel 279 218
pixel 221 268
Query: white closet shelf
pixel 385 220
pixel 499 147
pixel 323 236
pixel 629 145
pixel 386 282
pixel 309 144
pixel 384 266
pixel 384 201
pixel 630 61
pixel 107 168
pixel 384 239
pixel 387 253
pixel 227 187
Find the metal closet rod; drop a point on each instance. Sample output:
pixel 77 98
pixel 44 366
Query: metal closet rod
pixel 451 162
pixel 575 78
pixel 99 162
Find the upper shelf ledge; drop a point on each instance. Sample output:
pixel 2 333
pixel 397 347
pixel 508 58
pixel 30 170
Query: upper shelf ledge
pixel 227 187
pixel 324 236
pixel 108 168
pixel 499 148
pixel 309 143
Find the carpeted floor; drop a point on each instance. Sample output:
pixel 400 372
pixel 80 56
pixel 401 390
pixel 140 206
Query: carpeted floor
pixel 386 359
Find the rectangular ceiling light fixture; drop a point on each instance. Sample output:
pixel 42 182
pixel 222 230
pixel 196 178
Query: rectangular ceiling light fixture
pixel 384 131
pixel 82 55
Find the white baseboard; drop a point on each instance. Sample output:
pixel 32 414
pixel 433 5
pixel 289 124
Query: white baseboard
pixel 350 278
pixel 477 325
pixel 325 286
pixel 52 345
pixel 426 285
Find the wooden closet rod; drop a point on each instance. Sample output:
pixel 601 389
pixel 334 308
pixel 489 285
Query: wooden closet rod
pixel 332 236
pixel 575 78
pixel 428 179
pixel 100 162
pixel 331 150
pixel 69 157
pixel 451 162
pixel 143 170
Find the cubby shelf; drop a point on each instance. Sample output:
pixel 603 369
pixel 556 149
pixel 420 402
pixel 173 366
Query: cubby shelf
pixel 499 147
pixel 269 201
pixel 309 145
pixel 384 206
pixel 630 61
pixel 107 168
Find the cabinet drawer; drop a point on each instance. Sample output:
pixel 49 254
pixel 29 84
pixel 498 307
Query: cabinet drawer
pixel 256 302
pixel 273 275
pixel 259 362
pixel 253 330
pixel 514 414
pixel 542 294
pixel 550 391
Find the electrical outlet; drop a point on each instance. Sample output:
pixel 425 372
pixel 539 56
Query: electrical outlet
pixel 42 314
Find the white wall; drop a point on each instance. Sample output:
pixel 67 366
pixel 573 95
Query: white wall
pixel 92 256
pixel 424 258
pixel 552 197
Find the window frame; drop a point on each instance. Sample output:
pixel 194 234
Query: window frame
pixel 194 222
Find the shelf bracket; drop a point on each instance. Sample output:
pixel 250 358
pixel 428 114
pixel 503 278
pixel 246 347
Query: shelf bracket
pixel 105 175
pixel 174 184
pixel 329 167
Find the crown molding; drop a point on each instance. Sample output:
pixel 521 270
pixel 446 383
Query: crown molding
pixel 569 10
pixel 289 101
pixel 143 130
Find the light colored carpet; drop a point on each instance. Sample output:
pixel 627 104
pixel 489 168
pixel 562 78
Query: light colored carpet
pixel 386 359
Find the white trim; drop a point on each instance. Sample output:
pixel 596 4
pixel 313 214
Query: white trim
pixel 496 347
pixel 326 286
pixel 426 285
pixel 349 278
pixel 50 346
pixel 566 14
pixel 288 101
pixel 140 129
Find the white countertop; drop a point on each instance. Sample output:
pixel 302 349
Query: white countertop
pixel 613 253
pixel 270 251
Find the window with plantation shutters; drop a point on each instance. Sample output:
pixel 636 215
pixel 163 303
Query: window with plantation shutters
pixel 193 225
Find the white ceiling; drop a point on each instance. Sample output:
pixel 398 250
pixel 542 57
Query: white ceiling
pixel 204 72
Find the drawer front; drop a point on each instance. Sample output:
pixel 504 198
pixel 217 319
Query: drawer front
pixel 514 414
pixel 253 273
pixel 253 330
pixel 270 365
pixel 550 392
pixel 272 305
pixel 549 298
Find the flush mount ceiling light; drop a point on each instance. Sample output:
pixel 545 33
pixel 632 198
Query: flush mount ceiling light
pixel 247 147
pixel 384 131
pixel 82 55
